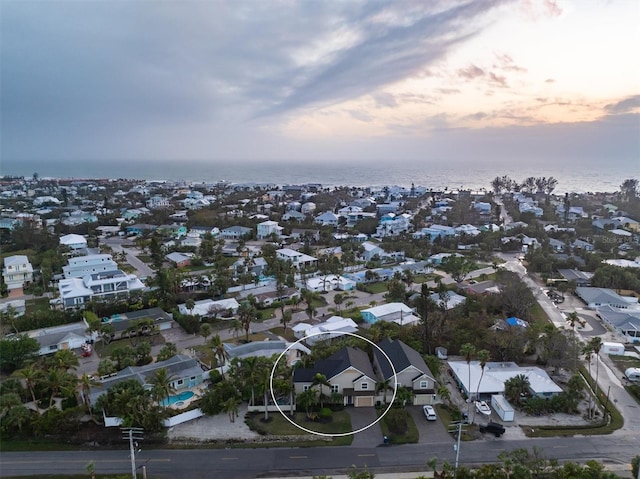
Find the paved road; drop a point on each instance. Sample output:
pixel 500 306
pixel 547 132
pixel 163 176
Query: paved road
pixel 248 463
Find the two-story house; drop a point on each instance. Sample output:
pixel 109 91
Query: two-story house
pixel 296 258
pixel 411 371
pixel 349 374
pixel 268 228
pixel 17 273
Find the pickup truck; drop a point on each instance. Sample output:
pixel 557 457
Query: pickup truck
pixel 494 428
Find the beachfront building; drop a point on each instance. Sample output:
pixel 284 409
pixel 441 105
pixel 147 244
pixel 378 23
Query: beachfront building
pixel 75 292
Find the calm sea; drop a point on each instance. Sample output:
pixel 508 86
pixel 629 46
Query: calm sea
pixel 434 174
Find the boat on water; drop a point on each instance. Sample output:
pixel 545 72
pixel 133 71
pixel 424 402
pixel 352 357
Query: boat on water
pixel 483 408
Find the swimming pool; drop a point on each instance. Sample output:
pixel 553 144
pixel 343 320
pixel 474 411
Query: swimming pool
pixel 173 400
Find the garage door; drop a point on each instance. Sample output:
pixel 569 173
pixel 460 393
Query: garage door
pixel 364 401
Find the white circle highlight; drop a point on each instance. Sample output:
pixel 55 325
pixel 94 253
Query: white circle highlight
pixel 337 434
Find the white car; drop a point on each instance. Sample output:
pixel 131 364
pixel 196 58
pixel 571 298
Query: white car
pixel 429 413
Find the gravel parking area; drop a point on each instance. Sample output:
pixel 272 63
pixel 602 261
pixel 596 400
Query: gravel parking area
pixel 211 429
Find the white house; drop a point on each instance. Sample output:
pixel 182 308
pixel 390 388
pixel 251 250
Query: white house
pixel 596 297
pixel 268 228
pixel 333 327
pixel 495 375
pixel 81 266
pixel 75 292
pixel 297 259
pixel 73 241
pixel 17 272
pixel 67 336
pixel 209 307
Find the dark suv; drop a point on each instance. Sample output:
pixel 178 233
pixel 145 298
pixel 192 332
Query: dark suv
pixel 494 428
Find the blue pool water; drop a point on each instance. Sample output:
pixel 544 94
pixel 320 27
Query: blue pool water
pixel 183 396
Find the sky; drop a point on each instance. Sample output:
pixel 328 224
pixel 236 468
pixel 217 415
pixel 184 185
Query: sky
pixel 526 80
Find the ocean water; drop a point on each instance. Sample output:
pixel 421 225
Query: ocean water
pixel 431 174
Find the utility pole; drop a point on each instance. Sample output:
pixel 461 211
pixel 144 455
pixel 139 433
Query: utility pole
pixel 457 428
pixel 133 435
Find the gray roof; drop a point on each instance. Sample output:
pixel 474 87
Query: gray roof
pixel 401 355
pixel 600 296
pixel 576 275
pixel 337 363
pixel 626 320
pixel 178 366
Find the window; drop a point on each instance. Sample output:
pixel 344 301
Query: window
pixel 364 386
pixel 424 384
pixel 193 378
pixel 335 388
pixel 305 388
pixel 180 382
pixel 53 347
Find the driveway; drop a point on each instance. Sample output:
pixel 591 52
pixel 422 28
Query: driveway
pixel 362 417
pixel 430 432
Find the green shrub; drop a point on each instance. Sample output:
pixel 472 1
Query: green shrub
pixel 325 413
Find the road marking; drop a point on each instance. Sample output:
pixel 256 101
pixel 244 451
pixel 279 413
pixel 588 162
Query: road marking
pixel 228 458
pixel 560 447
pixel 366 455
pixel 297 457
pixel 72 461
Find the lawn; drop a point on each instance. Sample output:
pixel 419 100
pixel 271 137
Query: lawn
pixel 395 416
pixel 105 350
pixel 378 287
pixel 288 335
pixel 38 304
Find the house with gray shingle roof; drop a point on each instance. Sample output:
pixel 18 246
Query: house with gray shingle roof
pixel 348 371
pixel 626 322
pixel 185 371
pixel 596 297
pixel 411 370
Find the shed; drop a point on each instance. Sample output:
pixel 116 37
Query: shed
pixel 502 407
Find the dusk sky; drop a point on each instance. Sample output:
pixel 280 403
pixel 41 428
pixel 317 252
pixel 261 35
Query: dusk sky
pixel 528 80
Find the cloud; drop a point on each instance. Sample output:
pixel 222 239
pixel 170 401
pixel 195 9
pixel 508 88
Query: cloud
pixel 506 63
pixel 626 105
pixel 497 80
pixel 385 100
pixel 471 72
pixel 360 115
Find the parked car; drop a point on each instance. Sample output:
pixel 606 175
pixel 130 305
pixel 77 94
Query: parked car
pixel 429 413
pixel 494 428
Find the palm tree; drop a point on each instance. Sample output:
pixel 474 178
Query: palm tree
pixel 573 319
pixel 468 350
pixel 596 345
pixel 230 406
pixel 587 351
pixel 483 356
pixel 235 328
pixel 162 385
pixel 246 314
pixel 250 374
pixel 219 352
pixel 320 380
pixel 86 382
pixel 32 377
pixel 338 299
pixel 205 331
pixel 444 393
pixel 287 316
pixel 306 400
pixel 515 387
pixel 383 385
pixel 66 359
